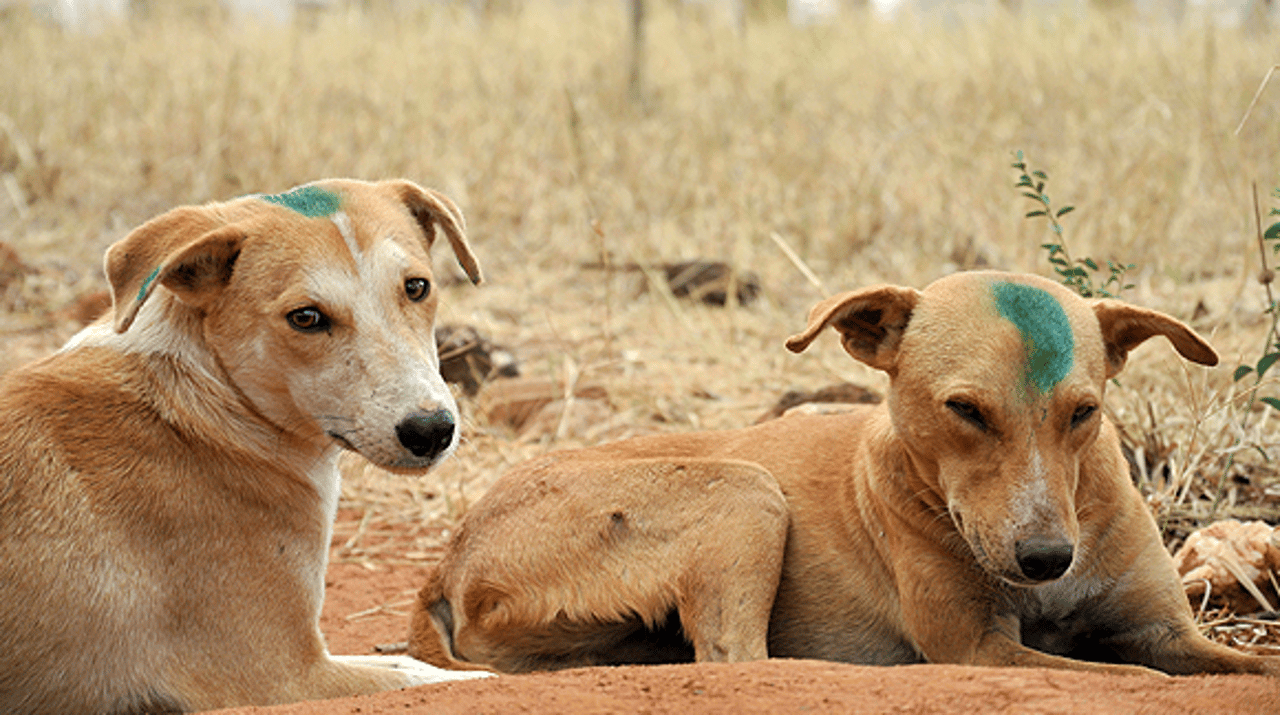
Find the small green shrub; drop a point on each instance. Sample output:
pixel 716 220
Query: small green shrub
pixel 1271 347
pixel 1075 274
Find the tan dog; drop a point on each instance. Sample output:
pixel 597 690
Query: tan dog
pixel 168 479
pixel 982 515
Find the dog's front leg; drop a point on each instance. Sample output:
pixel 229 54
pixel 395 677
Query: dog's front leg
pixel 954 613
pixel 401 670
pixel 341 676
pixel 731 547
pixel 1179 648
pixel 1000 647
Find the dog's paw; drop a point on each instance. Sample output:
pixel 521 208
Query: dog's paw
pixel 415 671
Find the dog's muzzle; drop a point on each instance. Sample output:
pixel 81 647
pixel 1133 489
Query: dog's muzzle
pixel 426 434
pixel 1043 559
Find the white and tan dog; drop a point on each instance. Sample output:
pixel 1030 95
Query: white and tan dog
pixel 168 479
pixel 982 515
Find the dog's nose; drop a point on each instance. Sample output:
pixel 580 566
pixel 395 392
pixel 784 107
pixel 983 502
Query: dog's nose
pixel 1043 559
pixel 426 434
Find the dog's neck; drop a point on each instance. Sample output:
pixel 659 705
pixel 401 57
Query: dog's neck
pixel 166 345
pixel 163 362
pixel 163 327
pixel 904 486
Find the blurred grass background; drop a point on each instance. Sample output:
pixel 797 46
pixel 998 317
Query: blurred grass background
pixel 879 151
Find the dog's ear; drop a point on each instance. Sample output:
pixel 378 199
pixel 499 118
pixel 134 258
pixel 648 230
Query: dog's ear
pixel 187 250
pixel 432 208
pixel 870 322
pixel 1125 327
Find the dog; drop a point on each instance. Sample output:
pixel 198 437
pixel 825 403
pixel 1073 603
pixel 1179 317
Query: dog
pixel 982 514
pixel 168 479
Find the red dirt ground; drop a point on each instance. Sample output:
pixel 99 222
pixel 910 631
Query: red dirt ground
pixel 365 607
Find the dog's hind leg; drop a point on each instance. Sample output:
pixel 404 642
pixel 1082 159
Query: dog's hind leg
pixel 724 534
pixel 733 555
pixel 568 559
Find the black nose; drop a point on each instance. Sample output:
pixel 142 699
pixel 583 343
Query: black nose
pixel 426 434
pixel 1043 559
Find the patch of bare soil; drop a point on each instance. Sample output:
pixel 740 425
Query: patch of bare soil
pixel 366 606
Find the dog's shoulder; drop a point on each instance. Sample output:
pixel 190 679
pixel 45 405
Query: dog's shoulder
pixel 83 375
pixel 89 408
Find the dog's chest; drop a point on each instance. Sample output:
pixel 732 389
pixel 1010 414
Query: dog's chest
pixel 1067 617
pixel 326 479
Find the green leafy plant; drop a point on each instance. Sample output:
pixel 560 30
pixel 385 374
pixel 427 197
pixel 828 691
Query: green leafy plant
pixel 1075 274
pixel 1271 348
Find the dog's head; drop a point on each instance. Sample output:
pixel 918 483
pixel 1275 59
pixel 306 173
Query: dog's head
pixel 315 305
pixel 996 395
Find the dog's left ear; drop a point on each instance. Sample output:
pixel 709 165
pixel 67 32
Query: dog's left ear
pixel 187 250
pixel 432 208
pixel 870 321
pixel 1125 327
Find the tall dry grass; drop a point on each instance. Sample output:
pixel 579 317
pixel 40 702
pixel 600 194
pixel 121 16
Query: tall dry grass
pixel 877 151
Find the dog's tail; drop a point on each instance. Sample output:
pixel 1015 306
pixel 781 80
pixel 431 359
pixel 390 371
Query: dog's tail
pixel 431 629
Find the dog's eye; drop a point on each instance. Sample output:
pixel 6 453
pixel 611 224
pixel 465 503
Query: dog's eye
pixel 1082 414
pixel 417 288
pixel 308 320
pixel 969 413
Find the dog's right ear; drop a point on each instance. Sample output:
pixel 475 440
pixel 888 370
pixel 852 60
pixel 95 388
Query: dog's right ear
pixel 870 322
pixel 187 250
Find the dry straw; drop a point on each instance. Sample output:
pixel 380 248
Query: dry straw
pixel 879 151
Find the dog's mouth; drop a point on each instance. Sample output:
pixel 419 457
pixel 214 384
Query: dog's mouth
pixel 343 442
pixel 420 441
pixel 1014 576
pixel 1019 575
pixel 1009 576
pixel 1021 582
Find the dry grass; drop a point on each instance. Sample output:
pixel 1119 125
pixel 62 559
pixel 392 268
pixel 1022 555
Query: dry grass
pixel 877 152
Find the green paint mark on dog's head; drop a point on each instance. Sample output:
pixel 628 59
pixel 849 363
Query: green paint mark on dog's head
pixel 310 201
pixel 146 284
pixel 1046 332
